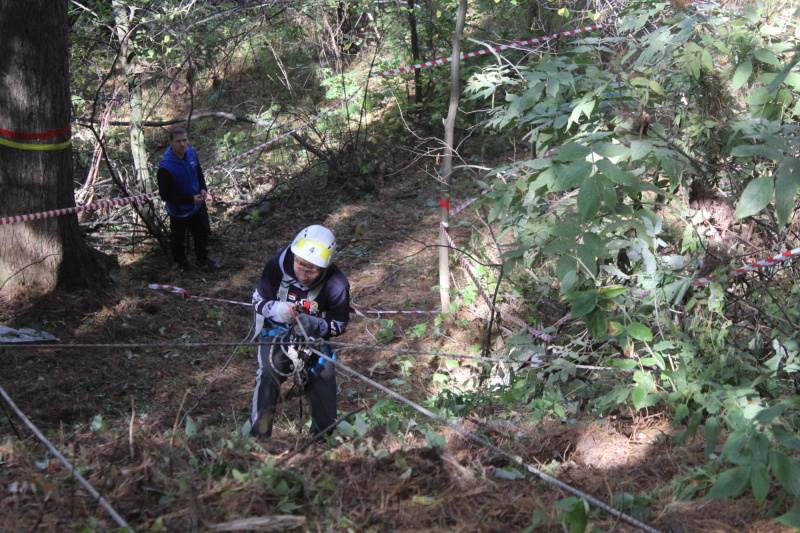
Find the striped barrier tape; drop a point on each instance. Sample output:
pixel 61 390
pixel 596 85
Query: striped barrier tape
pixel 78 209
pixel 513 45
pixel 185 294
pixel 465 205
pixel 403 312
pixel 752 267
pixel 536 333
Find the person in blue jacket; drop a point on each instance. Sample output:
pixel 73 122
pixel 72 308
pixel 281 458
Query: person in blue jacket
pixel 301 288
pixel 183 188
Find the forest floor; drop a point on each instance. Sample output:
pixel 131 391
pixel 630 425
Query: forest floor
pixel 113 410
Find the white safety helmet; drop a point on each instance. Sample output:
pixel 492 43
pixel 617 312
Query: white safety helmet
pixel 315 244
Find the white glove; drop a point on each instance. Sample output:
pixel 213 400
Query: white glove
pixel 283 312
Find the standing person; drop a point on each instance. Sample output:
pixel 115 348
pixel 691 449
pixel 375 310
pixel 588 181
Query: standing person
pixel 300 285
pixel 182 186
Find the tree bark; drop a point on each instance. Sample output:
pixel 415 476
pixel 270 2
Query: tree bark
pixel 412 22
pixel 123 19
pixel 35 154
pixel 447 159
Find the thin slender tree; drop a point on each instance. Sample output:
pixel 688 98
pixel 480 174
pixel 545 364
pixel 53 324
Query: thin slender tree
pixel 447 159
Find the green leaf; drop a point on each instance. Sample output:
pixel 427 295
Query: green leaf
pixel 572 152
pixel 613 291
pixel 566 230
pixel 742 74
pixel 588 199
pixel 656 87
pixel 361 426
pixel 730 483
pixel 191 426
pixel 787 181
pixel 611 150
pixel 711 428
pixel 765 56
pixel 759 482
pixel 597 324
pixel 639 331
pixel 757 150
pixel 755 197
pixel 640 149
pixel 615 174
pixel 572 176
pixel 791 519
pixel 584 303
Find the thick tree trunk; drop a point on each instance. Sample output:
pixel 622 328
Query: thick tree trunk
pixel 35 154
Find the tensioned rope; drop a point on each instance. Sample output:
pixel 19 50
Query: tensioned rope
pixel 96 495
pixel 300 343
pixel 533 470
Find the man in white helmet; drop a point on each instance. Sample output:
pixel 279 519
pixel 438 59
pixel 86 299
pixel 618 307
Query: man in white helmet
pixel 300 285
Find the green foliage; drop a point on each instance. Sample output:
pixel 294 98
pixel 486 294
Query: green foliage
pixel 620 136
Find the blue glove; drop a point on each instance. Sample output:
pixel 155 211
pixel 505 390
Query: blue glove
pixel 312 325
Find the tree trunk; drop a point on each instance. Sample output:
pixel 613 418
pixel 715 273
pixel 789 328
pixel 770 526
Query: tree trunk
pixel 447 160
pixel 412 22
pixel 35 153
pixel 141 183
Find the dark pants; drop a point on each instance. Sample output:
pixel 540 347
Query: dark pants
pixel 320 392
pixel 199 226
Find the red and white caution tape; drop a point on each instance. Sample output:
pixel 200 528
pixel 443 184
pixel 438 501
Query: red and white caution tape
pixel 536 333
pixel 403 312
pixel 78 209
pixel 465 205
pixel 513 45
pixel 185 294
pixel 752 267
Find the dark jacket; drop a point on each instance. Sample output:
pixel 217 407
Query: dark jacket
pixel 333 299
pixel 179 180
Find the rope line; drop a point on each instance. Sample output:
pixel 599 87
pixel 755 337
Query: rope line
pixel 302 343
pixel 517 459
pixel 96 495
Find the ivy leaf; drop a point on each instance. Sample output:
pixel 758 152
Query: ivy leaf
pixel 730 483
pixel 755 197
pixel 741 75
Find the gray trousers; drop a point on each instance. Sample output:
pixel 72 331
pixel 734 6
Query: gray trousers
pixel 320 392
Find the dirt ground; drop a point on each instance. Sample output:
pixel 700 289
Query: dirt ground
pixel 113 410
